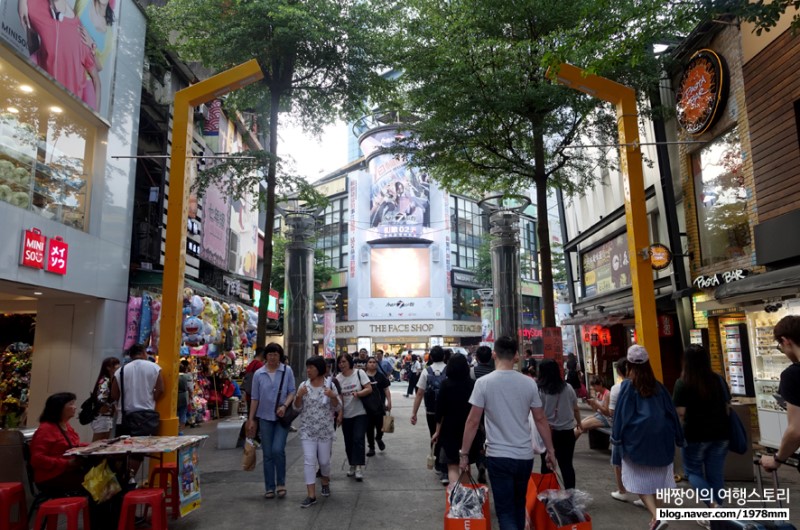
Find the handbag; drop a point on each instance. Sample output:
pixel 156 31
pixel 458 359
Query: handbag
pixel 249 455
pixel 737 436
pixel 140 422
pixel 89 410
pixel 388 423
pixel 289 415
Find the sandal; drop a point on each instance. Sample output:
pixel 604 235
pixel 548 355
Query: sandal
pixel 269 495
pixel 281 492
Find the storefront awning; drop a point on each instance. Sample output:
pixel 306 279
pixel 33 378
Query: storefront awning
pixel 782 282
pixel 600 319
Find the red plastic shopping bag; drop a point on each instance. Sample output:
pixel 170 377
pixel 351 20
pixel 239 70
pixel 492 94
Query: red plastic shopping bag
pixel 536 517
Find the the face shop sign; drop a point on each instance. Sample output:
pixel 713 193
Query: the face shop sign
pixel 708 282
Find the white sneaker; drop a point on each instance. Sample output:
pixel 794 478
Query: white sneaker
pixel 625 497
pixel 352 471
pixel 359 474
pixel 639 503
pixel 705 523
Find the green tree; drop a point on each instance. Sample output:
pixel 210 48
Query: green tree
pixel 322 272
pixel 483 267
pixel 320 60
pixel 490 121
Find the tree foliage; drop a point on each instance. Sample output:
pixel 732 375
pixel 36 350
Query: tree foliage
pixel 490 120
pixel 322 272
pixel 321 60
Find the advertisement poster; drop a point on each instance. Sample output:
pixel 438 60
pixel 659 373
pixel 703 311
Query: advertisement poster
pixel 73 41
pixel 487 325
pixel 189 478
pixel 607 267
pixel 400 308
pixel 399 195
pixel 244 225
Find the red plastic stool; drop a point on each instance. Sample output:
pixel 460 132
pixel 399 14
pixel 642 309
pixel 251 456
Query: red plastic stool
pixel 12 493
pixel 70 507
pixel 166 477
pixel 149 498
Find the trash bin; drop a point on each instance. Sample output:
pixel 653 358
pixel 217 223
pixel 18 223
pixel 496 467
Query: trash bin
pixel 234 406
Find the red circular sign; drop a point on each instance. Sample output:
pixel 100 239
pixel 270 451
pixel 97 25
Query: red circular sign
pixel 702 92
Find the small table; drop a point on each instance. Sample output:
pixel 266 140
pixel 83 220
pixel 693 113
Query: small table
pixel 185 446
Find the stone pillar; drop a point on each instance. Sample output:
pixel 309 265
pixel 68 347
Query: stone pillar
pixel 487 317
pixel 299 304
pixel 505 272
pixel 329 333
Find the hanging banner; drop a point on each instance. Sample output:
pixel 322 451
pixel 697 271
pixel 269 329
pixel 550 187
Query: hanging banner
pixel 189 478
pixel 329 340
pixel 57 256
pixel 487 326
pixel 33 242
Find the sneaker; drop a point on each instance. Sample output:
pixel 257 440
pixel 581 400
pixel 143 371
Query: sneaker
pixel 659 525
pixel 309 501
pixel 352 471
pixel 705 523
pixel 326 490
pixel 359 474
pixel 371 452
pixel 381 445
pixel 625 497
pixel 639 503
pixel 445 481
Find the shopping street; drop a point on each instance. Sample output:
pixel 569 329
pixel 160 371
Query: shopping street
pixel 398 490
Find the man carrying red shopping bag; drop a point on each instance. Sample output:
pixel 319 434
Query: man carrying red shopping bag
pixel 507 398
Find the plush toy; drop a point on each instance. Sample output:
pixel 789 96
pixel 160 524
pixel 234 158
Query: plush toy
pixel 252 320
pixel 220 323
pixel 193 331
pixel 132 327
pixel 196 305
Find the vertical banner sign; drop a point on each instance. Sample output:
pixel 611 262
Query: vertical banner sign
pixel 487 326
pixel 330 333
pixel 189 479
pixel 57 256
pixel 553 348
pixel 33 242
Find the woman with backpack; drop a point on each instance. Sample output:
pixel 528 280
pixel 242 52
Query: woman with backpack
pixel 104 405
pixel 560 405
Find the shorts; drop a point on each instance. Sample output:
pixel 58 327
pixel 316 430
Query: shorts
pixel 603 420
pixel 102 424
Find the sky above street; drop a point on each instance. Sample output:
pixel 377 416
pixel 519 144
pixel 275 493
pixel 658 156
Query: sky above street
pixel 314 157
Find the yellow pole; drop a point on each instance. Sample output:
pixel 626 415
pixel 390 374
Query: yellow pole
pixel 624 98
pixel 177 214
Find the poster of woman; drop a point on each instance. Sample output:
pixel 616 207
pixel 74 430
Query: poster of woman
pixel 73 41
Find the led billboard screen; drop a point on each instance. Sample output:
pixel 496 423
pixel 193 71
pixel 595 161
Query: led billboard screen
pixel 400 272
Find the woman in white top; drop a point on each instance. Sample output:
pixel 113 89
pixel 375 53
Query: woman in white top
pixel 355 385
pixel 318 400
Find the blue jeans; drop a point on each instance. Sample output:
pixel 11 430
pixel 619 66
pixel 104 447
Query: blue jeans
pixel 273 446
pixel 704 464
pixel 509 478
pixel 182 413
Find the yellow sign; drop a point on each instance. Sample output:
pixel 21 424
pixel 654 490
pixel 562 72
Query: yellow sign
pixel 660 256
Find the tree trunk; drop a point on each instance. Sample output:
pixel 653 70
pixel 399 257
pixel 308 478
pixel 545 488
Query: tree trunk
pixel 543 233
pixel 269 222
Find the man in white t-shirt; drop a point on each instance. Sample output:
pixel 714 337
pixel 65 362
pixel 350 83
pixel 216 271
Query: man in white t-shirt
pixel 143 383
pixel 507 398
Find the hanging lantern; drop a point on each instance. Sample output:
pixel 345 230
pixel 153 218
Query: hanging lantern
pixel 595 336
pixel 587 337
pixel 605 337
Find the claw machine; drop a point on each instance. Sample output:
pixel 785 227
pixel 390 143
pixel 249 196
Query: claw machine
pixel 767 364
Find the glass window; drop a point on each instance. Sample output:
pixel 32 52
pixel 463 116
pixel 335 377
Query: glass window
pixel 46 151
pixel 721 199
pixel 466 304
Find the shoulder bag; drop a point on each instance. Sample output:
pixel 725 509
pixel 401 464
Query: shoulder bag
pixel 290 414
pixel 373 403
pixel 140 422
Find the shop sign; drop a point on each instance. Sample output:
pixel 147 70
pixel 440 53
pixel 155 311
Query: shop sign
pixel 702 92
pixel 606 267
pixel 33 243
pixel 660 256
pixel 531 333
pixel 57 256
pixel 553 346
pixel 665 326
pixel 715 280
pixel 465 279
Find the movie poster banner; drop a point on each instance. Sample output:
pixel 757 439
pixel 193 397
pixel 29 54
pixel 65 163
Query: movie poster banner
pixel 329 339
pixel 189 479
pixel 399 195
pixel 73 41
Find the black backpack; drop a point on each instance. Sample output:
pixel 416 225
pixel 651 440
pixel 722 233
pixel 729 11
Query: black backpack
pixel 432 388
pixel 89 410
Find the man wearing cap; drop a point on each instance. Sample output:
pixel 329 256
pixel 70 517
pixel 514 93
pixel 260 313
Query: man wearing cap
pixel 787 333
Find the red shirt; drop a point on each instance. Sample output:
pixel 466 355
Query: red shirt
pixel 48 446
pixel 254 365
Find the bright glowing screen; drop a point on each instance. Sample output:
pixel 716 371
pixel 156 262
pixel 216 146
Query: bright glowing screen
pixel 400 272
